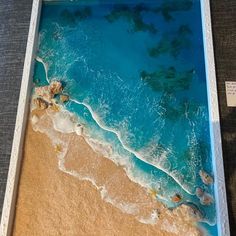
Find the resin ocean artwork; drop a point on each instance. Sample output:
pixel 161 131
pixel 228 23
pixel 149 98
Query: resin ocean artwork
pixel 127 80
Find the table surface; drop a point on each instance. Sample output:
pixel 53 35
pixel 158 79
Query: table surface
pixel 14 25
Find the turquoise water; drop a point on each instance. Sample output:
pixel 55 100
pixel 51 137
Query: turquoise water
pixel 136 76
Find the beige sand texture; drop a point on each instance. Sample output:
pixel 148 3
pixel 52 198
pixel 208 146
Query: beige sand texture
pixel 54 199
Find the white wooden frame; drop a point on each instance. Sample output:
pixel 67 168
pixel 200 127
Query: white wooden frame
pixel 21 119
pixel 216 143
pixel 22 114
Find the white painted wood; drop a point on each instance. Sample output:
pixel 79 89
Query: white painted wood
pixel 216 144
pixel 21 119
pixel 22 114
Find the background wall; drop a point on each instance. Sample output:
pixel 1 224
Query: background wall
pixel 14 25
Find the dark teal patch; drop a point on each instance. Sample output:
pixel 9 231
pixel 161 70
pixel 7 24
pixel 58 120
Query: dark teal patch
pixel 168 7
pixel 167 79
pixel 172 45
pixel 133 16
pixel 83 13
pixel 70 18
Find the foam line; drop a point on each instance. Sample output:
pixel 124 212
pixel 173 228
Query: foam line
pixel 45 67
pixel 129 208
pixel 99 123
pixel 96 119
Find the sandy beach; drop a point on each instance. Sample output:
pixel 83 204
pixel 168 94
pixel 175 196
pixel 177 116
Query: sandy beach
pixel 56 195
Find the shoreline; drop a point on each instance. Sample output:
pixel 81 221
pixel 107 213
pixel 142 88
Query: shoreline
pixel 188 189
pixel 185 192
pixel 135 153
pixel 116 193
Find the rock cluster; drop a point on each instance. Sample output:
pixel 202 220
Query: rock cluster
pixel 55 87
pixel 205 198
pixel 41 103
pixel 46 94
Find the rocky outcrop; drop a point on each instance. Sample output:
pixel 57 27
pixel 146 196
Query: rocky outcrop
pixel 45 95
pixel 40 103
pixel 55 87
pixel 206 178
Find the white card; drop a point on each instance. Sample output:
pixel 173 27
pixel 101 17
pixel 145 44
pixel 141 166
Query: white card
pixel 231 93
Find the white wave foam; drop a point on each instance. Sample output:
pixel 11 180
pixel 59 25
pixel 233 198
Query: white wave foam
pixel 126 207
pixel 99 123
pixel 156 165
pixel 45 67
pixel 64 122
pixel 152 219
pixel 97 119
pixel 99 147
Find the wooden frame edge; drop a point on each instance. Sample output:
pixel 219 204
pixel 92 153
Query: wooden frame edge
pixel 216 143
pixel 20 125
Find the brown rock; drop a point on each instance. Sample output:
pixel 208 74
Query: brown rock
pixel 40 103
pixel 206 199
pixel 199 192
pixel 206 178
pixel 55 87
pixel 55 107
pixel 64 98
pixel 44 92
pixel 176 198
